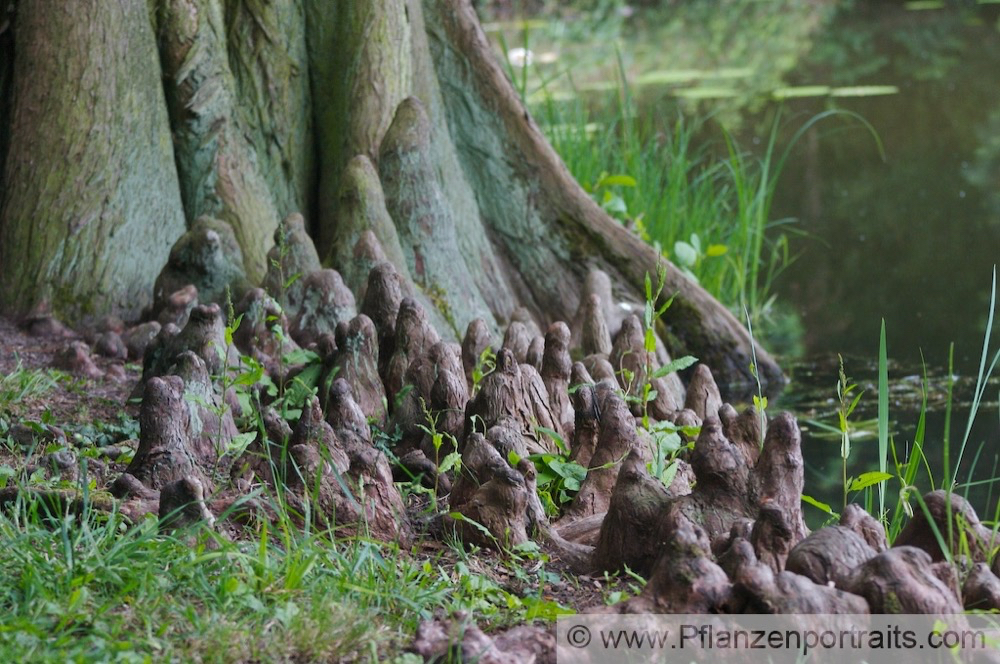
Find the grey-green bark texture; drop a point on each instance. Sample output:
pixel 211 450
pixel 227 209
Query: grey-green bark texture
pixel 6 68
pixel 361 70
pixel 266 43
pixel 389 116
pixel 91 203
pixel 221 173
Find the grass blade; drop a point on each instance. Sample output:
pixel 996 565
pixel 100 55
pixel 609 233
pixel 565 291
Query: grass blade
pixel 883 416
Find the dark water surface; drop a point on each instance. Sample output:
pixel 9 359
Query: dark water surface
pixel 912 239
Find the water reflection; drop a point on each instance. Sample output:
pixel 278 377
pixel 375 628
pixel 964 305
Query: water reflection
pixel 912 239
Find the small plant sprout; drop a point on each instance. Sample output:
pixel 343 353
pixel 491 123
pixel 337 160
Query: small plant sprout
pixel 847 401
pixel 759 400
pixel 486 363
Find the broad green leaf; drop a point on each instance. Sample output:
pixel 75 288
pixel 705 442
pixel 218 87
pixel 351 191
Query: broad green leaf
pixel 809 500
pixel 866 480
pixel 513 458
pixel 619 180
pixel 684 254
pixel 240 442
pixel 544 477
pixel 696 242
pixel 650 341
pixel 449 462
pixel 300 356
pixel 669 473
pixel 679 364
pixel 250 377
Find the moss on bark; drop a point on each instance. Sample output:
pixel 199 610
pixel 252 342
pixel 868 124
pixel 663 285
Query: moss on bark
pixel 91 202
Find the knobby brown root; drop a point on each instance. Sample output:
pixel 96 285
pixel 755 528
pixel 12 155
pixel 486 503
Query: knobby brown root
pixel 75 358
pixel 617 438
pixel 963 524
pixel 339 471
pixel 829 555
pixel 326 301
pixel 901 580
pixel 981 590
pixel 414 336
pixel 292 257
pixel 865 525
pixel 204 335
pixel 207 257
pixel 758 588
pixel 477 339
pixel 178 307
pixel 263 333
pixel 637 501
pixel 460 639
pixel 490 496
pixel 556 371
pixel 381 303
pixel 356 361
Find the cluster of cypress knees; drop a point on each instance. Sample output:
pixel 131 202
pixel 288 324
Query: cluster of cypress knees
pixel 726 536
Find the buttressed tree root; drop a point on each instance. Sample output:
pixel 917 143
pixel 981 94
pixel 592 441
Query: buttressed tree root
pixel 506 249
pixel 726 535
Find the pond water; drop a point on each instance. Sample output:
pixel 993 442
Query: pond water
pixel 912 238
pixel 909 233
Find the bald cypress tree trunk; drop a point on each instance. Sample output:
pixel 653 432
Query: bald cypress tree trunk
pixel 90 194
pixel 390 115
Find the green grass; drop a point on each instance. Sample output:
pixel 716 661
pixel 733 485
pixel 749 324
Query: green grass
pixel 904 470
pixel 709 214
pixel 688 187
pixel 21 384
pixel 89 588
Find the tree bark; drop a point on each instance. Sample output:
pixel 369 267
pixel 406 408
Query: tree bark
pixel 219 168
pixel 91 201
pixel 6 67
pixel 391 116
